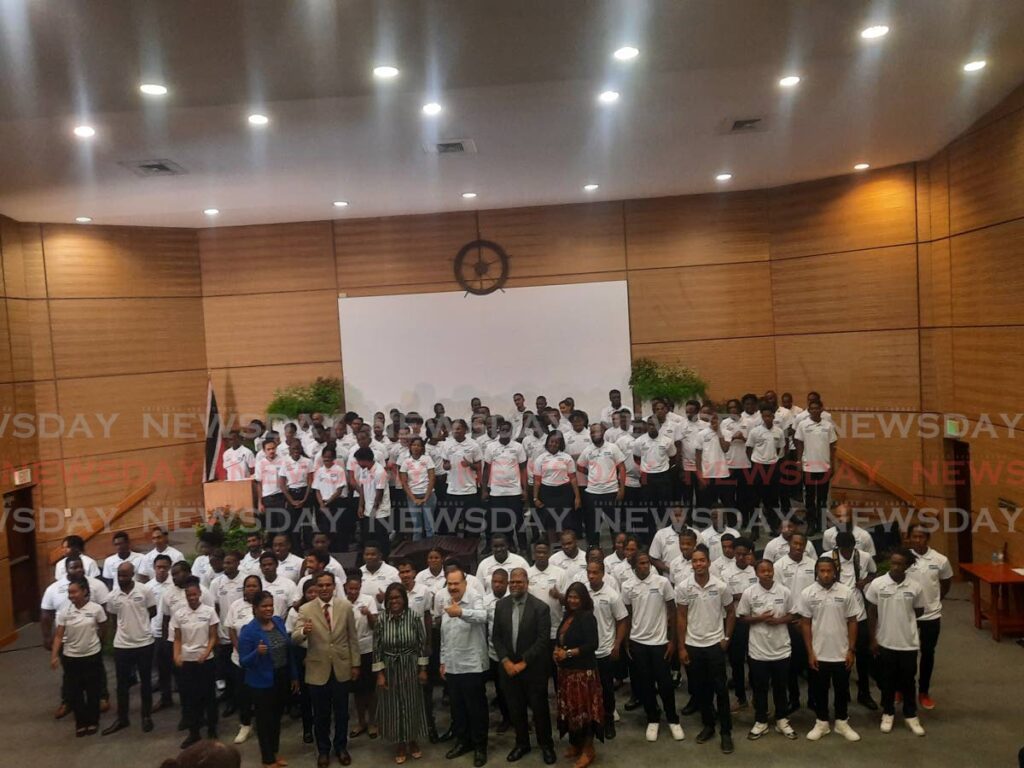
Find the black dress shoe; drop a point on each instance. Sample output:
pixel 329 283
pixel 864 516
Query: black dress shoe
pixel 691 708
pixel 632 704
pixel 867 702
pixel 307 737
pixel 727 743
pixel 707 733
pixel 549 755
pixel 517 753
pixel 609 730
pixel 457 751
pixel 114 727
pixel 322 761
pixel 344 757
pixel 192 738
pixel 446 736
pixel 147 724
pixel 479 758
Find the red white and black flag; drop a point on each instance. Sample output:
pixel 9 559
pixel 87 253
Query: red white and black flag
pixel 214 435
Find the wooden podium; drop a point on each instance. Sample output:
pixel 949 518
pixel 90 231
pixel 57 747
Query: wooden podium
pixel 237 495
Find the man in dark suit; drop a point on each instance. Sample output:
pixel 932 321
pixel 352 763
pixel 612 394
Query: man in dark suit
pixel 522 642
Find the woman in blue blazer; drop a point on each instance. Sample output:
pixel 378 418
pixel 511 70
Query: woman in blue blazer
pixel 265 653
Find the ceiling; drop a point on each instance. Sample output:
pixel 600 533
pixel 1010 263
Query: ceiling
pixel 519 77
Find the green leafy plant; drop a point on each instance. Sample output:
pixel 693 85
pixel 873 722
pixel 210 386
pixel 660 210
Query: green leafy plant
pixel 322 396
pixel 227 528
pixel 651 379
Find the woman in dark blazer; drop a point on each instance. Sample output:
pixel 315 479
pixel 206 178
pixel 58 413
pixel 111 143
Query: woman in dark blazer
pixel 265 653
pixel 580 702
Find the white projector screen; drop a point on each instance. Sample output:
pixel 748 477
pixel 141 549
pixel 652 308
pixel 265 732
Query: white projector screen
pixel 409 352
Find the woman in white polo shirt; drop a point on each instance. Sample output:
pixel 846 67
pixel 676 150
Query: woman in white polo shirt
pixel 194 628
pixel 417 473
pixel 556 494
pixel 80 624
pixel 296 476
pixel 267 475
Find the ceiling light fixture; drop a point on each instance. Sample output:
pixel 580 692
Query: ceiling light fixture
pixel 341 203
pixel 385 72
pixel 85 131
pixel 211 211
pixel 874 32
pixel 153 89
pixel 469 195
pixel 608 97
pixel 591 187
pixel 975 66
pixel 83 219
pixel 432 108
pixel 257 119
pixel 725 176
pixel 789 81
pixel 626 53
pixel 861 166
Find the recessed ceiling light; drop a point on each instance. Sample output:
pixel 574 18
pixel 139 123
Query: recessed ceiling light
pixel 341 203
pixel 85 131
pixel 590 187
pixel 211 211
pixel 861 166
pixel 153 89
pixel 789 81
pixel 385 72
pixel 469 195
pixel 725 176
pixel 974 66
pixel 608 97
pixel 83 219
pixel 626 53
pixel 257 119
pixel 432 108
pixel 874 32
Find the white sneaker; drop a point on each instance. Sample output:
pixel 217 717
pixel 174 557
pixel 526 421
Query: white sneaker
pixel 243 734
pixel 652 732
pixel 677 731
pixel 820 729
pixel 915 726
pixel 615 715
pixel 843 729
pixel 887 721
pixel 782 726
pixel 759 730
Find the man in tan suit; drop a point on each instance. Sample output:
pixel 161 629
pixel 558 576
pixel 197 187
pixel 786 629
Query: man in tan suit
pixel 327 628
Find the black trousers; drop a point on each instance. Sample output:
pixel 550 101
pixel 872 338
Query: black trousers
pixel 689 487
pixel 505 515
pixel 339 523
pixel 596 506
pixel 83 681
pixel 198 690
pixel 765 674
pixel 299 519
pixel 494 675
pixel 797 666
pixel 834 675
pixel 651 678
pixel 929 634
pixel 706 676
pixel 896 672
pixel 269 704
pixel 816 496
pixel 865 659
pixel 469 708
pixel 127 661
pixel 606 670
pixel 658 494
pixel 743 494
pixel 765 488
pixel 222 656
pixel 167 673
pixel 329 699
pixel 459 507
pixel 738 659
pixel 531 691
pixel 305 701
pixel 716 489
pixel 243 701
pixel 273 517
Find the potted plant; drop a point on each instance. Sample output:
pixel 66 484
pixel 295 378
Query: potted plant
pixel 322 396
pixel 674 381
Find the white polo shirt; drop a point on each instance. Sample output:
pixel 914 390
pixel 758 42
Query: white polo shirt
pixel 722 567
pixel 769 445
pixel 92 570
pixel 712 539
pixel 327 480
pixel 379 580
pixel 290 567
pixel 194 626
pixel 296 472
pixel 665 545
pixel 421 600
pixel 795 576
pixel 436 453
pixel 606 414
pixel 848 576
pixel 541 583
pixel 462 481
pixel 713 463
pixel 741 579
pixel 81 629
pixel 649 600
pixel 114 561
pixel 239 614
pixel 767 642
pixel 680 570
pixel 370 481
pixel 928 571
pixel 577 442
pixel 158 588
pixel 146 566
pixel 56 595
pixel 134 626
pixel 601 465
pixel 417 472
pixel 736 456
pixel 201 568
pixel 575 567
pixel 554 468
pixel 226 591
pixel 534 447
pixel 285 592
pixel 897 622
pixel 432 581
pixel 267 471
pixel 861 539
pixel 626 444
pixel 612 434
pixel 608 611
pixel 364 632
pixel 705 610
pixel 828 610
pixel 690 442
pixel 778 547
pixel 654 453
pixel 817 438
pixel 172 598
pixel 490 564
pixel 239 462
pixel 503 477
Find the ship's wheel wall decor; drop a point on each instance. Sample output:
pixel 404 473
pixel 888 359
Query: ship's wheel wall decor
pixel 481 267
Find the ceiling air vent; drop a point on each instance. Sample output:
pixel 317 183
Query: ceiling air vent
pixel 737 125
pixel 452 147
pixel 159 167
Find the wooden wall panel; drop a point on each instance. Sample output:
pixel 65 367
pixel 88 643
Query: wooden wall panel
pixel 297 327
pixel 274 257
pixel 24 276
pixel 694 230
pixel 110 262
pixel 937 369
pixel 988 275
pixel 586 277
pixel 938 196
pixel 402 250
pixel 934 457
pixel 31 352
pixel 243 393
pixel 8 632
pixel 989 369
pixel 845 213
pixel 986 175
pixel 143 404
pixel 39 398
pixel 9 444
pixel 871 370
pixel 110 336
pixel 889 443
pixel 559 239
pixel 935 297
pixel 730 366
pixel 6 362
pixel 861 290
pixel 997 459
pixel 715 302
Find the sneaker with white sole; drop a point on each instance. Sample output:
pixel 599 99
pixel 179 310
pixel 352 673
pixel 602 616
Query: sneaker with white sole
pixel 843 729
pixel 820 729
pixel 677 731
pixel 915 726
pixel 243 734
pixel 886 726
pixel 652 731
pixel 758 730
pixel 782 726
pixel 615 715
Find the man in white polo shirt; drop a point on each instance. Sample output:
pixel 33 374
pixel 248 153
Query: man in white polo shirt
pixel 160 547
pixel 238 461
pixel 654 452
pixel 289 564
pixel 75 545
pixel 735 431
pixel 374 511
pixel 713 481
pixel 285 591
pixel 377 575
pixel 503 484
pixel 122 554
pixel 779 546
pixel 134 605
pixel 604 466
pixel 933 572
pixel 843 515
pixel 766 448
pixel 547 582
pixel 500 557
pixel 462 460
pixel 795 571
pixel 665 546
pixel 612 625
pixel 614 404
pixel 570 558
pixel 815 440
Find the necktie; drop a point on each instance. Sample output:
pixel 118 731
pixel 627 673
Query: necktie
pixel 327 615
pixel 517 614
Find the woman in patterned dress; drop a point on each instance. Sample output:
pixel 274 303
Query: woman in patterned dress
pixel 400 655
pixel 580 702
